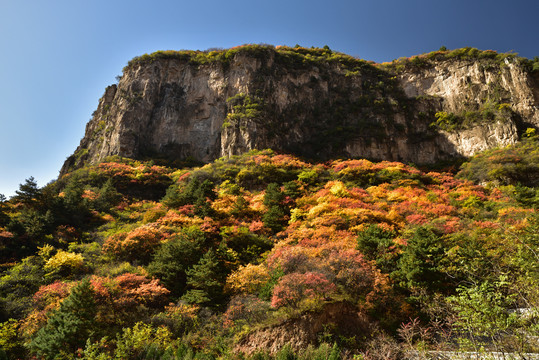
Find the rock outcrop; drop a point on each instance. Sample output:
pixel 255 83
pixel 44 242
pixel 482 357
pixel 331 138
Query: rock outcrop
pixel 308 329
pixel 309 102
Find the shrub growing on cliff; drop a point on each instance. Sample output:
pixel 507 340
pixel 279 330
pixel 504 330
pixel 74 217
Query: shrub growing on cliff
pixel 242 107
pixel 488 112
pixel 446 121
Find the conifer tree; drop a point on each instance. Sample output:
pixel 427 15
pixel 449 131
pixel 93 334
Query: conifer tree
pixel 204 281
pixel 4 218
pixel 108 196
pixel 28 192
pixel 420 261
pixel 273 200
pixel 201 195
pixel 195 193
pixel 375 244
pixel 175 257
pixel 69 327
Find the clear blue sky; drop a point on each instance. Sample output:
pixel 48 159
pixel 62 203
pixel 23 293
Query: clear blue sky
pixel 58 56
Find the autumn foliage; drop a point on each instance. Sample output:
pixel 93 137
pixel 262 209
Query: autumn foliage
pixel 138 244
pixel 293 288
pixel 250 241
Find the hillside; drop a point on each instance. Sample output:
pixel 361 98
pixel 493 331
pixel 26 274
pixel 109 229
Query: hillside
pixel 314 103
pixel 391 216
pixel 272 256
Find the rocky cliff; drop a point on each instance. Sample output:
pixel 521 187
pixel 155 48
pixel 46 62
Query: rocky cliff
pixel 311 102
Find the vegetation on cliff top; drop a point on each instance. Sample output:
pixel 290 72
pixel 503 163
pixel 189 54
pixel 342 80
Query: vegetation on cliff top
pixel 313 56
pixel 131 260
pixel 297 55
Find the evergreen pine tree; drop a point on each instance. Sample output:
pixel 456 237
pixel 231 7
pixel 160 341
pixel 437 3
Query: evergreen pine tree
pixel 203 196
pixel 173 197
pixel 420 261
pixel 108 196
pixel 175 257
pixel 375 244
pixel 240 207
pixel 204 281
pixel 4 218
pixel 273 200
pixel 69 327
pixel 28 192
pixel 195 193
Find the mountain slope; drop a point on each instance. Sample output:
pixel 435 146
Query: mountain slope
pixel 263 254
pixel 266 252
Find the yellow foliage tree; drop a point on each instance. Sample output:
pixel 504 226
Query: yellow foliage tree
pixel 65 263
pixel 248 279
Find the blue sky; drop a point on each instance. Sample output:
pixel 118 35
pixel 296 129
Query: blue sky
pixel 58 56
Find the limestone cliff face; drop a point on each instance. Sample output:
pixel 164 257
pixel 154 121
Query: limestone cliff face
pixel 470 85
pixel 180 107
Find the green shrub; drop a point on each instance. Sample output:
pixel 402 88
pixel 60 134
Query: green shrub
pixel 10 342
pixel 515 164
pixel 65 264
pixel 482 315
pixel 487 113
pixel 142 341
pixel 286 353
pixel 195 193
pixel 243 107
pixel 446 121
pixel 18 285
pixel 375 243
pixel 247 245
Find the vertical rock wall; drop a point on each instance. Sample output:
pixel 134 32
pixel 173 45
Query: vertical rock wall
pixel 175 108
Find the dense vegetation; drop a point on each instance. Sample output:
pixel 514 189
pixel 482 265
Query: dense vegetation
pixel 515 165
pixel 130 260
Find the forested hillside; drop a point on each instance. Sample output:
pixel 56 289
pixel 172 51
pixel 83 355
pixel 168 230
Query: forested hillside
pixel 272 257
